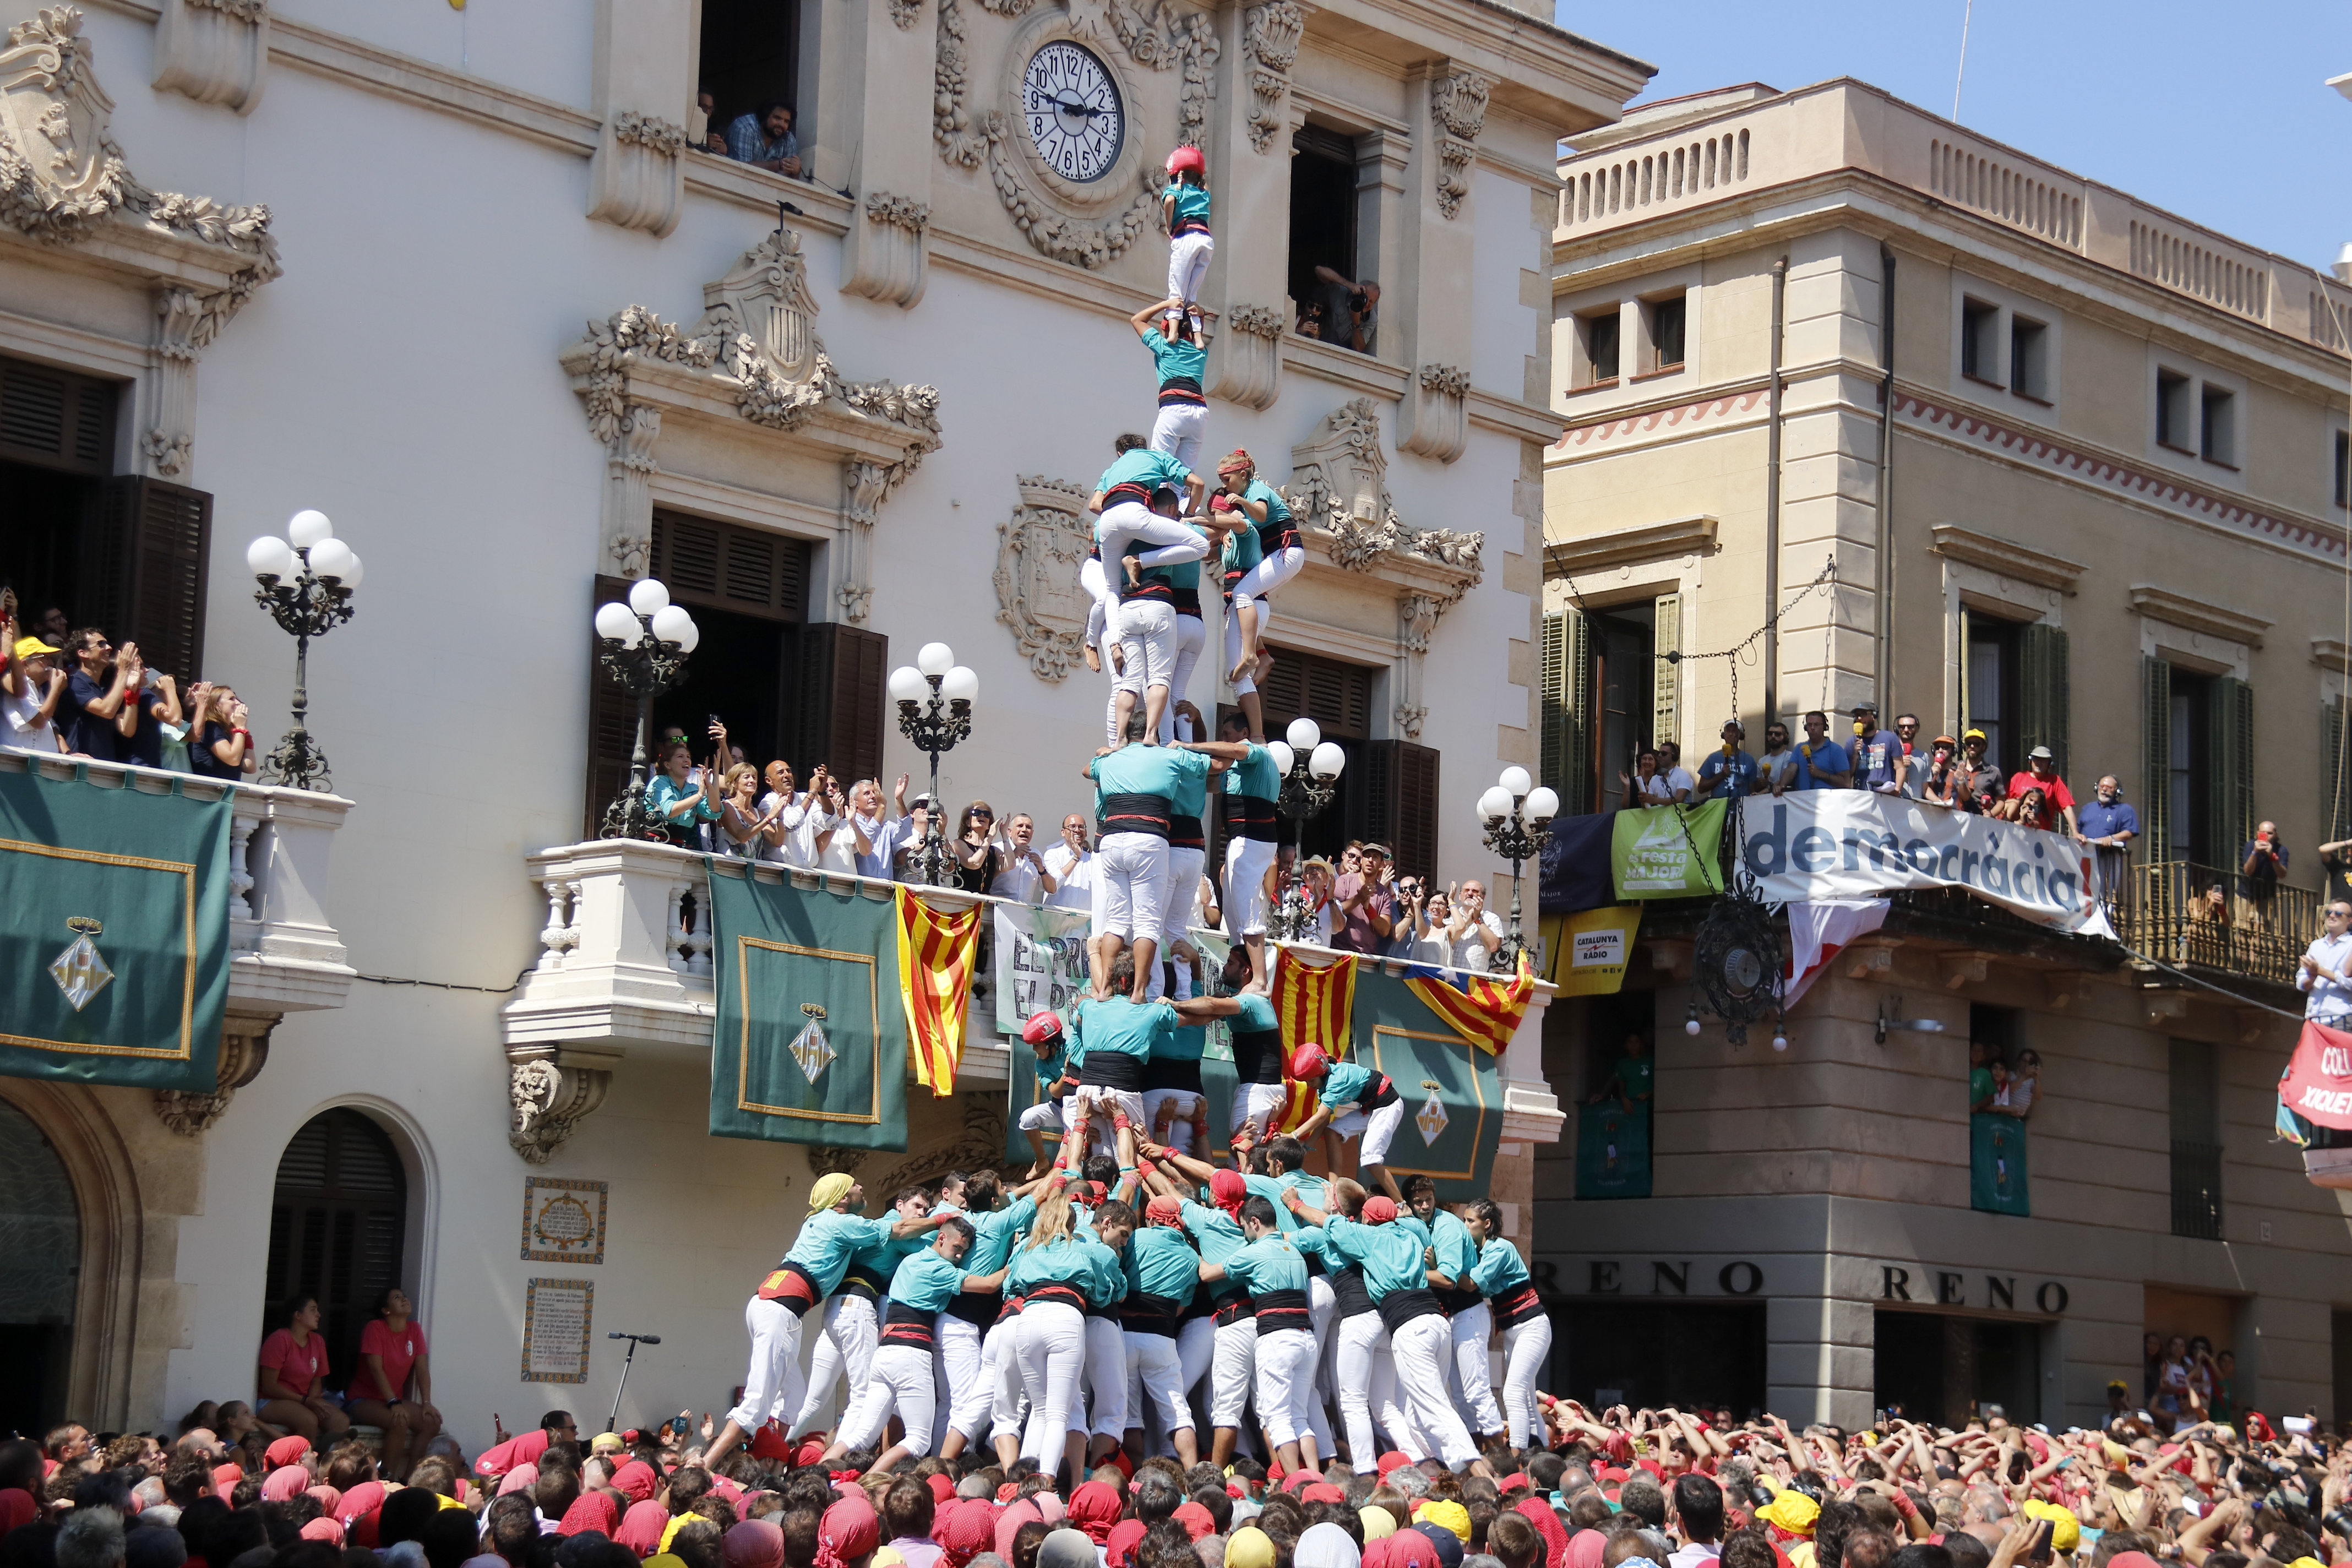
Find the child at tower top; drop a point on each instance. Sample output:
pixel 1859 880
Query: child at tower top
pixel 1185 207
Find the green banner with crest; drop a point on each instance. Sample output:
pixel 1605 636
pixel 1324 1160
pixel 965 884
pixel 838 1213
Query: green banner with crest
pixel 114 947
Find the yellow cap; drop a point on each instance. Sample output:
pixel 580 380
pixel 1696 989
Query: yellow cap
pixel 1793 1511
pixel 2066 1531
pixel 28 646
pixel 829 1191
pixel 1450 1514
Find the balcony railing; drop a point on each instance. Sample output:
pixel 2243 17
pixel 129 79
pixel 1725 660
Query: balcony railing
pixel 2169 911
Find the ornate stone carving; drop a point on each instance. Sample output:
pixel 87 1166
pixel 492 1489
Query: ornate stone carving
pixel 1272 33
pixel 1246 364
pixel 632 554
pixel 212 50
pixel 864 486
pixel 549 1102
pixel 888 252
pixel 980 1146
pixel 1436 417
pixel 829 1162
pixel 1457 110
pixel 637 178
pixel 906 14
pixel 1038 557
pixel 244 1051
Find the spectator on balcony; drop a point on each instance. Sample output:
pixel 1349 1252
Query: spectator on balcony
pixel 2025 1084
pixel 742 826
pixel 873 823
pixel 2327 994
pixel 1071 864
pixel 1366 903
pixel 1634 1078
pixel 840 837
pixel 1474 931
pixel 765 140
pixel 680 800
pixel 1980 782
pixel 1350 311
pixel 1877 754
pixel 1729 772
pixel 392 1389
pixel 1914 761
pixel 1941 780
pixel 156 721
pixel 974 862
pixel 99 712
pixel 2261 864
pixel 2109 825
pixel 219 745
pixel 1778 765
pixel 1820 762
pixel 1678 777
pixel 1646 784
pixel 2335 863
pixel 32 690
pixel 2056 804
pixel 906 836
pixel 293 1375
pixel 2210 907
pixel 1025 878
pixel 783 806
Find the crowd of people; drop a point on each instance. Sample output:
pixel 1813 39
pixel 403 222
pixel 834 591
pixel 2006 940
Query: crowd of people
pixel 72 692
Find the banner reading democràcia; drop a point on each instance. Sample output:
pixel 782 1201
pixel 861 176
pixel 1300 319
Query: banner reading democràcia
pixel 113 932
pixel 810 1043
pixel 1852 844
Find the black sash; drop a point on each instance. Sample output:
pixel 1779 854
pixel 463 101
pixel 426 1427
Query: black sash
pixel 1517 1306
pixel 1280 1310
pixel 1401 1307
pixel 1257 1055
pixel 1133 814
pixel 1172 1072
pixel 1347 1289
pixel 1233 1309
pixel 1384 1096
pixel 1275 534
pixel 1247 816
pixel 1141 1314
pixel 1188 602
pixel 857 1282
pixel 1058 1293
pixel 977 1309
pixel 1182 390
pixel 1127 491
pixel 1457 1302
pixel 1111 1070
pixel 793 1286
pixel 1189 226
pixel 1185 832
pixel 1151 590
pixel 905 1325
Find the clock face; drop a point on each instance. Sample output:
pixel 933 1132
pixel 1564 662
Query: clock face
pixel 1071 105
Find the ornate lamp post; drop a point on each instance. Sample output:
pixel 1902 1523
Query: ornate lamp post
pixel 1516 820
pixel 1310 770
pixel 306 586
pixel 644 644
pixel 934 696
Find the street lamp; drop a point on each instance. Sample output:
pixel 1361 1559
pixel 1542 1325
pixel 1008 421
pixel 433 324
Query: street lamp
pixel 306 581
pixel 934 696
pixel 1518 819
pixel 1310 767
pixel 644 643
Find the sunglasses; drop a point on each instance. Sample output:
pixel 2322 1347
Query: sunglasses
pixel 984 816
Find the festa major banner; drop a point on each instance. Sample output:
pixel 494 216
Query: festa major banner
pixel 114 964
pixel 1852 844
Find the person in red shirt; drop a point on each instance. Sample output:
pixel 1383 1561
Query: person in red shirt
pixel 293 1380
pixel 2042 774
pixel 393 1362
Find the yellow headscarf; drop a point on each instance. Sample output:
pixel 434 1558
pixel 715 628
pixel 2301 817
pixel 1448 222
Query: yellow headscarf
pixel 1249 1547
pixel 829 1191
pixel 2065 1530
pixel 1792 1511
pixel 1450 1515
pixel 1378 1522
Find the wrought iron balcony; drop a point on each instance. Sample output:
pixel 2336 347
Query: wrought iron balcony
pixel 2196 917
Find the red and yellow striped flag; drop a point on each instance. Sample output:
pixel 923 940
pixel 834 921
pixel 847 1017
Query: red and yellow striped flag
pixel 1313 1005
pixel 937 949
pixel 1484 1011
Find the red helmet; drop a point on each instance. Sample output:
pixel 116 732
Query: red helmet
pixel 1188 157
pixel 1043 1025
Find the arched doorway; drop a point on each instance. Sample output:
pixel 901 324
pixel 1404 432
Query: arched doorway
pixel 338 1225
pixel 40 1274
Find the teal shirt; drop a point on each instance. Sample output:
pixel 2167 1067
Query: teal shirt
pixel 1273 1188
pixel 1348 1083
pixel 1186 1043
pixel 1191 201
pixel 1268 1264
pixel 1277 510
pixel 1139 769
pixel 926 1281
pixel 993 1234
pixel 1255 776
pixel 826 1242
pixel 1498 1270
pixel 1063 1260
pixel 1107 1285
pixel 1255 1014
pixel 1146 467
pixel 1160 1264
pixel 1457 1253
pixel 1312 1243
pixel 1242 550
pixel 1409 1223
pixel 1389 1254
pixel 665 792
pixel 1191 796
pixel 1177 360
pixel 1049 1072
pixel 1217 1232
pixel 1126 1027
pixel 880 1258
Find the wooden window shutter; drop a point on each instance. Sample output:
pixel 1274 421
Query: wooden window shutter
pixel 2043 701
pixel 2230 753
pixel 612 720
pixel 55 418
pixel 1564 704
pixel 2156 765
pixel 843 671
pixel 1666 710
pixel 1967 714
pixel 724 567
pixel 1392 798
pixel 2335 808
pixel 142 571
pixel 1370 782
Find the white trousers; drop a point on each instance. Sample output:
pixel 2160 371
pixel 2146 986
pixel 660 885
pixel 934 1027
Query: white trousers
pixel 1050 1345
pixel 1092 578
pixel 900 1381
pixel 1255 1104
pixel 771 1388
pixel 1188 263
pixel 1231 1367
pixel 1131 523
pixel 1132 876
pixel 1147 640
pixel 1182 904
pixel 1473 1373
pixel 1155 1382
pixel 1321 1302
pixel 1269 574
pixel 1191 637
pixel 1526 1350
pixel 1364 1375
pixel 1422 1348
pixel 1285 1382
pixel 1196 1350
pixel 1000 1352
pixel 965 1375
pixel 1379 1129
pixel 1248 683
pixel 1106 1377
pixel 1179 431
pixel 846 1345
pixel 1247 860
pixel 1046 1116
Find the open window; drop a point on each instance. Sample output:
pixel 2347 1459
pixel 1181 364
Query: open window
pixel 1326 233
pixel 1980 341
pixel 2174 406
pixel 2028 358
pixel 1599 343
pixel 749 56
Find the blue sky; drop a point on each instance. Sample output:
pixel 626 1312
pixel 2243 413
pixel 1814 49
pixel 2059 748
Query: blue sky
pixel 2214 113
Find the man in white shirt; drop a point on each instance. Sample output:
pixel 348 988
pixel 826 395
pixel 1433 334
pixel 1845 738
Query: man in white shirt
pixel 1025 878
pixel 1482 929
pixel 2326 966
pixel 1680 785
pixel 1072 865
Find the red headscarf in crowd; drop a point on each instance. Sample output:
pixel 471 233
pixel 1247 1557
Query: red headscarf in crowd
pixel 1164 1210
pixel 521 1478
pixel 754 1543
pixel 362 1500
pixel 1380 1211
pixel 523 1450
pixel 285 1484
pixel 967 1530
pixel 942 1490
pixel 1412 1548
pixel 636 1481
pixel 642 1526
pixel 1125 1536
pixel 286 1451
pixel 593 1511
pixel 329 1499
pixel 1539 1513
pixel 1228 1191
pixel 849 1530
pixel 1197 1521
pixel 1095 1508
pixel 1010 1520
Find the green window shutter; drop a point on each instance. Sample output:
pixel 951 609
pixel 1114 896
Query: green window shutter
pixel 2230 753
pixel 2335 810
pixel 1665 713
pixel 2042 690
pixel 2156 767
pixel 1563 703
pixel 1967 714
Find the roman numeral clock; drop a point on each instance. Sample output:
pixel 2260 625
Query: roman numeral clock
pixel 1068 150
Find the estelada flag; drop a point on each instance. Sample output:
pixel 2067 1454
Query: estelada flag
pixel 1481 1009
pixel 2317 1083
pixel 1315 1004
pixel 936 951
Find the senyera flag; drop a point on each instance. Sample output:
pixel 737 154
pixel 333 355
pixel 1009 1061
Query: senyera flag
pixel 936 949
pixel 2317 1083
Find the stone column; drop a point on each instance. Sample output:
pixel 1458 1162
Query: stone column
pixel 877 51
pixel 1429 314
pixel 642 86
pixel 1250 125
pixel 214 51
